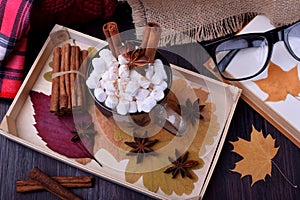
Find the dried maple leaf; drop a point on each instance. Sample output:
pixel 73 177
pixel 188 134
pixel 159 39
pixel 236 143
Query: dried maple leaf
pixel 280 83
pixel 257 156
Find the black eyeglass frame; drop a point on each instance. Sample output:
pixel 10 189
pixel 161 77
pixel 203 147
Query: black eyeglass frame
pixel 272 36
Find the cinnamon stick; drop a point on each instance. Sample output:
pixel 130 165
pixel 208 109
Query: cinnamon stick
pixel 83 68
pixel 77 86
pixel 66 57
pixel 73 76
pixel 51 185
pixel 113 38
pixel 66 181
pixel 151 39
pixel 54 102
pixel 63 98
pixel 146 36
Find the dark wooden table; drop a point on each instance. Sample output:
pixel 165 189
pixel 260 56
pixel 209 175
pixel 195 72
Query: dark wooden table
pixel 17 160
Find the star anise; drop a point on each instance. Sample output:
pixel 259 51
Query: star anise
pixel 192 111
pixel 181 165
pixel 141 147
pixel 83 129
pixel 136 58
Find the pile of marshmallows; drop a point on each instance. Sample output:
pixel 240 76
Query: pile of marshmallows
pixel 123 89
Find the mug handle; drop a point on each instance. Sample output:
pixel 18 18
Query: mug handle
pixel 170 120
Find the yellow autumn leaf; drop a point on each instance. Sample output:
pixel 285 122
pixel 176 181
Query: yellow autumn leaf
pixel 280 83
pixel 167 184
pixel 155 179
pixel 48 76
pixel 257 155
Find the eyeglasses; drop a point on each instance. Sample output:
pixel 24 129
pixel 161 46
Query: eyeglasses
pixel 245 56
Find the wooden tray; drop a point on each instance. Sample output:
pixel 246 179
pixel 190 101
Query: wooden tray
pixel 18 124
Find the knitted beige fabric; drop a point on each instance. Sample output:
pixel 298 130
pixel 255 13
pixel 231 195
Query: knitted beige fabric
pixel 204 20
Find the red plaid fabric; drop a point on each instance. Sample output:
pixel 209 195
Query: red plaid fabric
pixel 14 25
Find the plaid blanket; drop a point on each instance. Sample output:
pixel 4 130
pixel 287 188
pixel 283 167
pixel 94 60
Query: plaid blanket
pixel 14 25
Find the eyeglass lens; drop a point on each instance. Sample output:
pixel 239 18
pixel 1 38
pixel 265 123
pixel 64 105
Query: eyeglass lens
pixel 233 56
pixel 293 38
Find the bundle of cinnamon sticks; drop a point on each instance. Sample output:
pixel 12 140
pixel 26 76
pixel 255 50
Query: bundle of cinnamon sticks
pixel 149 43
pixel 67 84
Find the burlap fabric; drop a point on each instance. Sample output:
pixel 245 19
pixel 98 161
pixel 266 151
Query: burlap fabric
pixel 204 20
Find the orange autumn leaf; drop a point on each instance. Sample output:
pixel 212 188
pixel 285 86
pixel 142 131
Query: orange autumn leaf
pixel 257 156
pixel 280 83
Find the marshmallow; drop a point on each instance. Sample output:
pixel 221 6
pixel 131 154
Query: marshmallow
pixel 99 65
pixel 107 56
pixel 144 82
pixel 159 67
pixel 105 76
pixel 162 86
pixel 113 73
pixel 111 101
pixel 111 93
pixel 95 74
pixel 126 96
pixel 157 78
pixel 139 105
pixel 105 52
pixel 110 86
pixel 123 107
pixel 100 94
pixel 147 104
pixel 122 83
pixel 93 81
pixel 142 94
pixel 132 107
pixel 134 75
pixel 124 71
pixel 157 94
pixel 122 60
pixel 149 72
pixel 132 87
pixel 113 63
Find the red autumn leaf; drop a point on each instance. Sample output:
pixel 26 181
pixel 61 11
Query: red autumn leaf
pixel 56 131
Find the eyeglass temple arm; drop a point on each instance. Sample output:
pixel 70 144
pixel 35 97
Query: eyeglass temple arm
pixel 222 65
